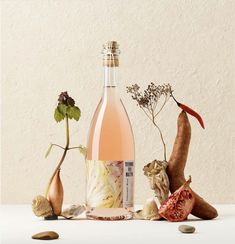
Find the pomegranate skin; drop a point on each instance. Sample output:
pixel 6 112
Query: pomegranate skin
pixel 179 204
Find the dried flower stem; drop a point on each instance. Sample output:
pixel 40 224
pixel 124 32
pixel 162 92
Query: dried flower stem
pixel 148 101
pixel 163 142
pixel 159 130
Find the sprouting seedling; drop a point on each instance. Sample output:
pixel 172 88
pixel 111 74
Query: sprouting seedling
pixel 151 101
pixel 65 110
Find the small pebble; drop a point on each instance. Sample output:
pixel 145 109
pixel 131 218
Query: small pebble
pixel 186 229
pixel 51 217
pixel 46 235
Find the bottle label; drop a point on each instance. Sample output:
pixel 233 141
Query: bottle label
pixel 110 184
pixel 128 184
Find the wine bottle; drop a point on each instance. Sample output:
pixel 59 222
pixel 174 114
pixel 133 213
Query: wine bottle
pixel 110 147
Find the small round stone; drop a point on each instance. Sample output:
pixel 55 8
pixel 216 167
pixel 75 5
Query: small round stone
pixel 46 235
pixel 186 229
pixel 51 217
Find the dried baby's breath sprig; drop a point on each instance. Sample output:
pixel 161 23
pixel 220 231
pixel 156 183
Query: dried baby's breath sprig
pixel 149 99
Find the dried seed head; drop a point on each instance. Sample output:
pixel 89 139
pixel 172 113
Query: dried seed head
pixel 150 96
pixel 65 99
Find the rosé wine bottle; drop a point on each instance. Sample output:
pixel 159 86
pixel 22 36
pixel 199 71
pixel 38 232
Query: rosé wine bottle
pixel 110 147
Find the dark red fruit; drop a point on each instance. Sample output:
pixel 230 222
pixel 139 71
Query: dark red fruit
pixel 179 204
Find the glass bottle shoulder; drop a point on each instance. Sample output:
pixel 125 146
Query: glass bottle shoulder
pixel 110 131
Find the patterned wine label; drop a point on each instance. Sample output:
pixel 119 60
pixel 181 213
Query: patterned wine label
pixel 128 184
pixel 110 184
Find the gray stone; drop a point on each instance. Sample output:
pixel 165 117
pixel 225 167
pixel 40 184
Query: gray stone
pixel 186 229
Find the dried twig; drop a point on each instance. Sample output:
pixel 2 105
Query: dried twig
pixel 148 101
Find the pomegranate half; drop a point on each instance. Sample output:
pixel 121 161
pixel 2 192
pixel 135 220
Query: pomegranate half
pixel 179 204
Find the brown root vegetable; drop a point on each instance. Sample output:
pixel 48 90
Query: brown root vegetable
pixel 176 165
pixel 56 194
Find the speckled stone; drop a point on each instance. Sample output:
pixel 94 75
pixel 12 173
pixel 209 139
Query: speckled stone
pixel 186 229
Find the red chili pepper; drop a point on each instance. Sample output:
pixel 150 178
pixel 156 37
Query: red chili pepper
pixel 191 112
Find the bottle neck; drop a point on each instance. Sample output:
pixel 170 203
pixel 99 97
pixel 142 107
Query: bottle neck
pixel 110 76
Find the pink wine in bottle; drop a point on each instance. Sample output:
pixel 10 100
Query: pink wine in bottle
pixel 110 147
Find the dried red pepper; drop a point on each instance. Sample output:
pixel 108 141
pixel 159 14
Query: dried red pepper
pixel 191 112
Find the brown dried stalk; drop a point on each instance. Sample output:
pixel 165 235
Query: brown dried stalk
pixel 148 101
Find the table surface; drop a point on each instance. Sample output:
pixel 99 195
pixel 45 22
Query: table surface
pixel 18 224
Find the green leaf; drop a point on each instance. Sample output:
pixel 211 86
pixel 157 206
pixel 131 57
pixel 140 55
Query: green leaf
pixel 83 150
pixel 73 112
pixel 76 113
pixel 70 112
pixel 48 151
pixel 58 115
pixel 62 109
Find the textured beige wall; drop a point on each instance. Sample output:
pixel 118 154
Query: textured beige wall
pixel 52 46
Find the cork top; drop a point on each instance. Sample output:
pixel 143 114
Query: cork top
pixel 110 52
pixel 111 47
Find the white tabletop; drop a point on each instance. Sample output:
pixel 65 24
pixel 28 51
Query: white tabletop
pixel 18 224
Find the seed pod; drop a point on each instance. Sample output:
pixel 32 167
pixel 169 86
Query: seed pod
pixel 56 194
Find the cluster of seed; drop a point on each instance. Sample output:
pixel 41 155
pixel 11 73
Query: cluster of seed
pixel 65 99
pixel 150 96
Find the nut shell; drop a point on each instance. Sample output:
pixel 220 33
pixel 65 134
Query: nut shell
pixel 41 207
pixel 149 212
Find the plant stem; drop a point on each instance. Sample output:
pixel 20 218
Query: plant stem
pixel 74 148
pixel 57 146
pixel 160 132
pixel 67 131
pixel 164 103
pixel 163 142
pixel 175 99
pixel 66 148
pixel 146 114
